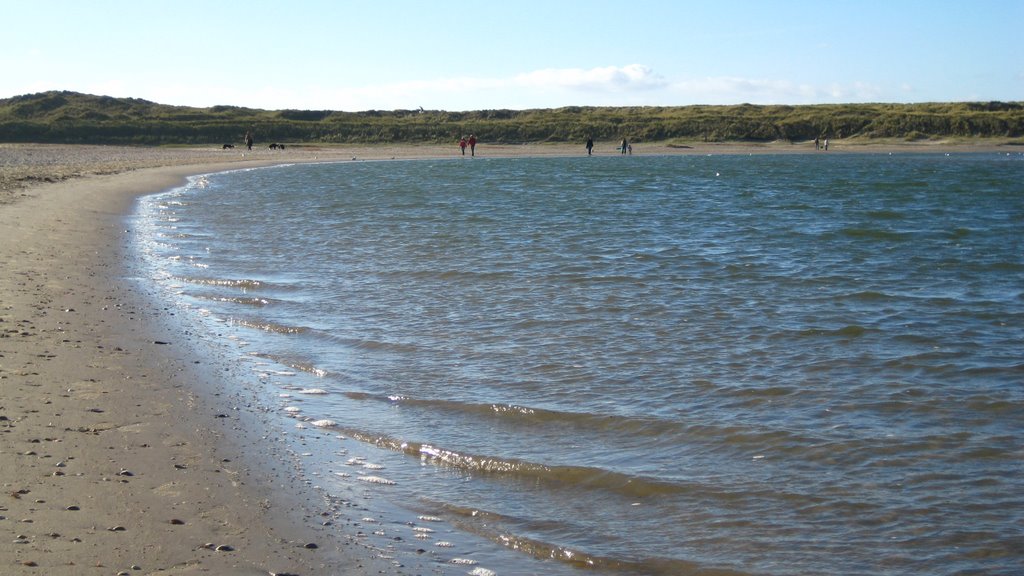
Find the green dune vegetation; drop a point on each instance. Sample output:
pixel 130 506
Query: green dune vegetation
pixel 70 117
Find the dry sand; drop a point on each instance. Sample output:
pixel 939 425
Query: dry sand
pixel 117 453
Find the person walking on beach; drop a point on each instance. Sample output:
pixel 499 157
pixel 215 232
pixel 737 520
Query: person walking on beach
pixel 462 145
pixel 817 144
pixel 590 145
pixel 624 146
pixel 248 140
pixel 472 145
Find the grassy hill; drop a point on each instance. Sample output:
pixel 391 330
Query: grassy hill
pixel 70 117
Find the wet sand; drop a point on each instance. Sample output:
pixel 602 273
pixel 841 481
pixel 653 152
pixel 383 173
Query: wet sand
pixel 118 452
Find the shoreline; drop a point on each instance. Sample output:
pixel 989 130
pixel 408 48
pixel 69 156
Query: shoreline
pixel 24 166
pixel 118 453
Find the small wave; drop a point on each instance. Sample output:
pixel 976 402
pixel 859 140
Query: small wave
pixel 867 295
pixel 254 302
pixel 848 331
pixel 245 284
pixel 579 477
pixel 527 416
pixel 885 214
pixel 306 367
pixel 496 528
pixel 732 438
pixel 377 480
pixel 268 326
pixel 874 234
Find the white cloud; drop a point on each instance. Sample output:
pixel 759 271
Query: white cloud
pixel 550 87
pixel 609 78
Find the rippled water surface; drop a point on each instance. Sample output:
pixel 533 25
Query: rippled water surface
pixel 803 364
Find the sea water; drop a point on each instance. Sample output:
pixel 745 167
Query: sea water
pixel 768 364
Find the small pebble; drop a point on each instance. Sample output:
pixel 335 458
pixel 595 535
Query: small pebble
pixel 311 546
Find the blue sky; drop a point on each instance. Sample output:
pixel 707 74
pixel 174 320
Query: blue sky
pixel 478 54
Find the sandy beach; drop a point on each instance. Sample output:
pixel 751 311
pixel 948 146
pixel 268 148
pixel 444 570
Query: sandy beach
pixel 118 455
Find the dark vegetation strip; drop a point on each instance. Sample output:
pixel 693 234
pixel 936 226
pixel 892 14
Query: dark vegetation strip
pixel 70 117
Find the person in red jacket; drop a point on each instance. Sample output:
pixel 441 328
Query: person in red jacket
pixel 472 145
pixel 462 144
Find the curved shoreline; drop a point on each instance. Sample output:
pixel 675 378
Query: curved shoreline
pixel 116 449
pixel 24 166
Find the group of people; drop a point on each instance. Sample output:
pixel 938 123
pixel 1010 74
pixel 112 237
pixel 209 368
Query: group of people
pixel 624 147
pixel 819 145
pixel 471 142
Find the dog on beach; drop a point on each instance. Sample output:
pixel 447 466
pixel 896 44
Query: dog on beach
pixel 226 146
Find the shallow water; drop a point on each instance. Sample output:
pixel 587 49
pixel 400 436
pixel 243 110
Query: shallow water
pixel 654 365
